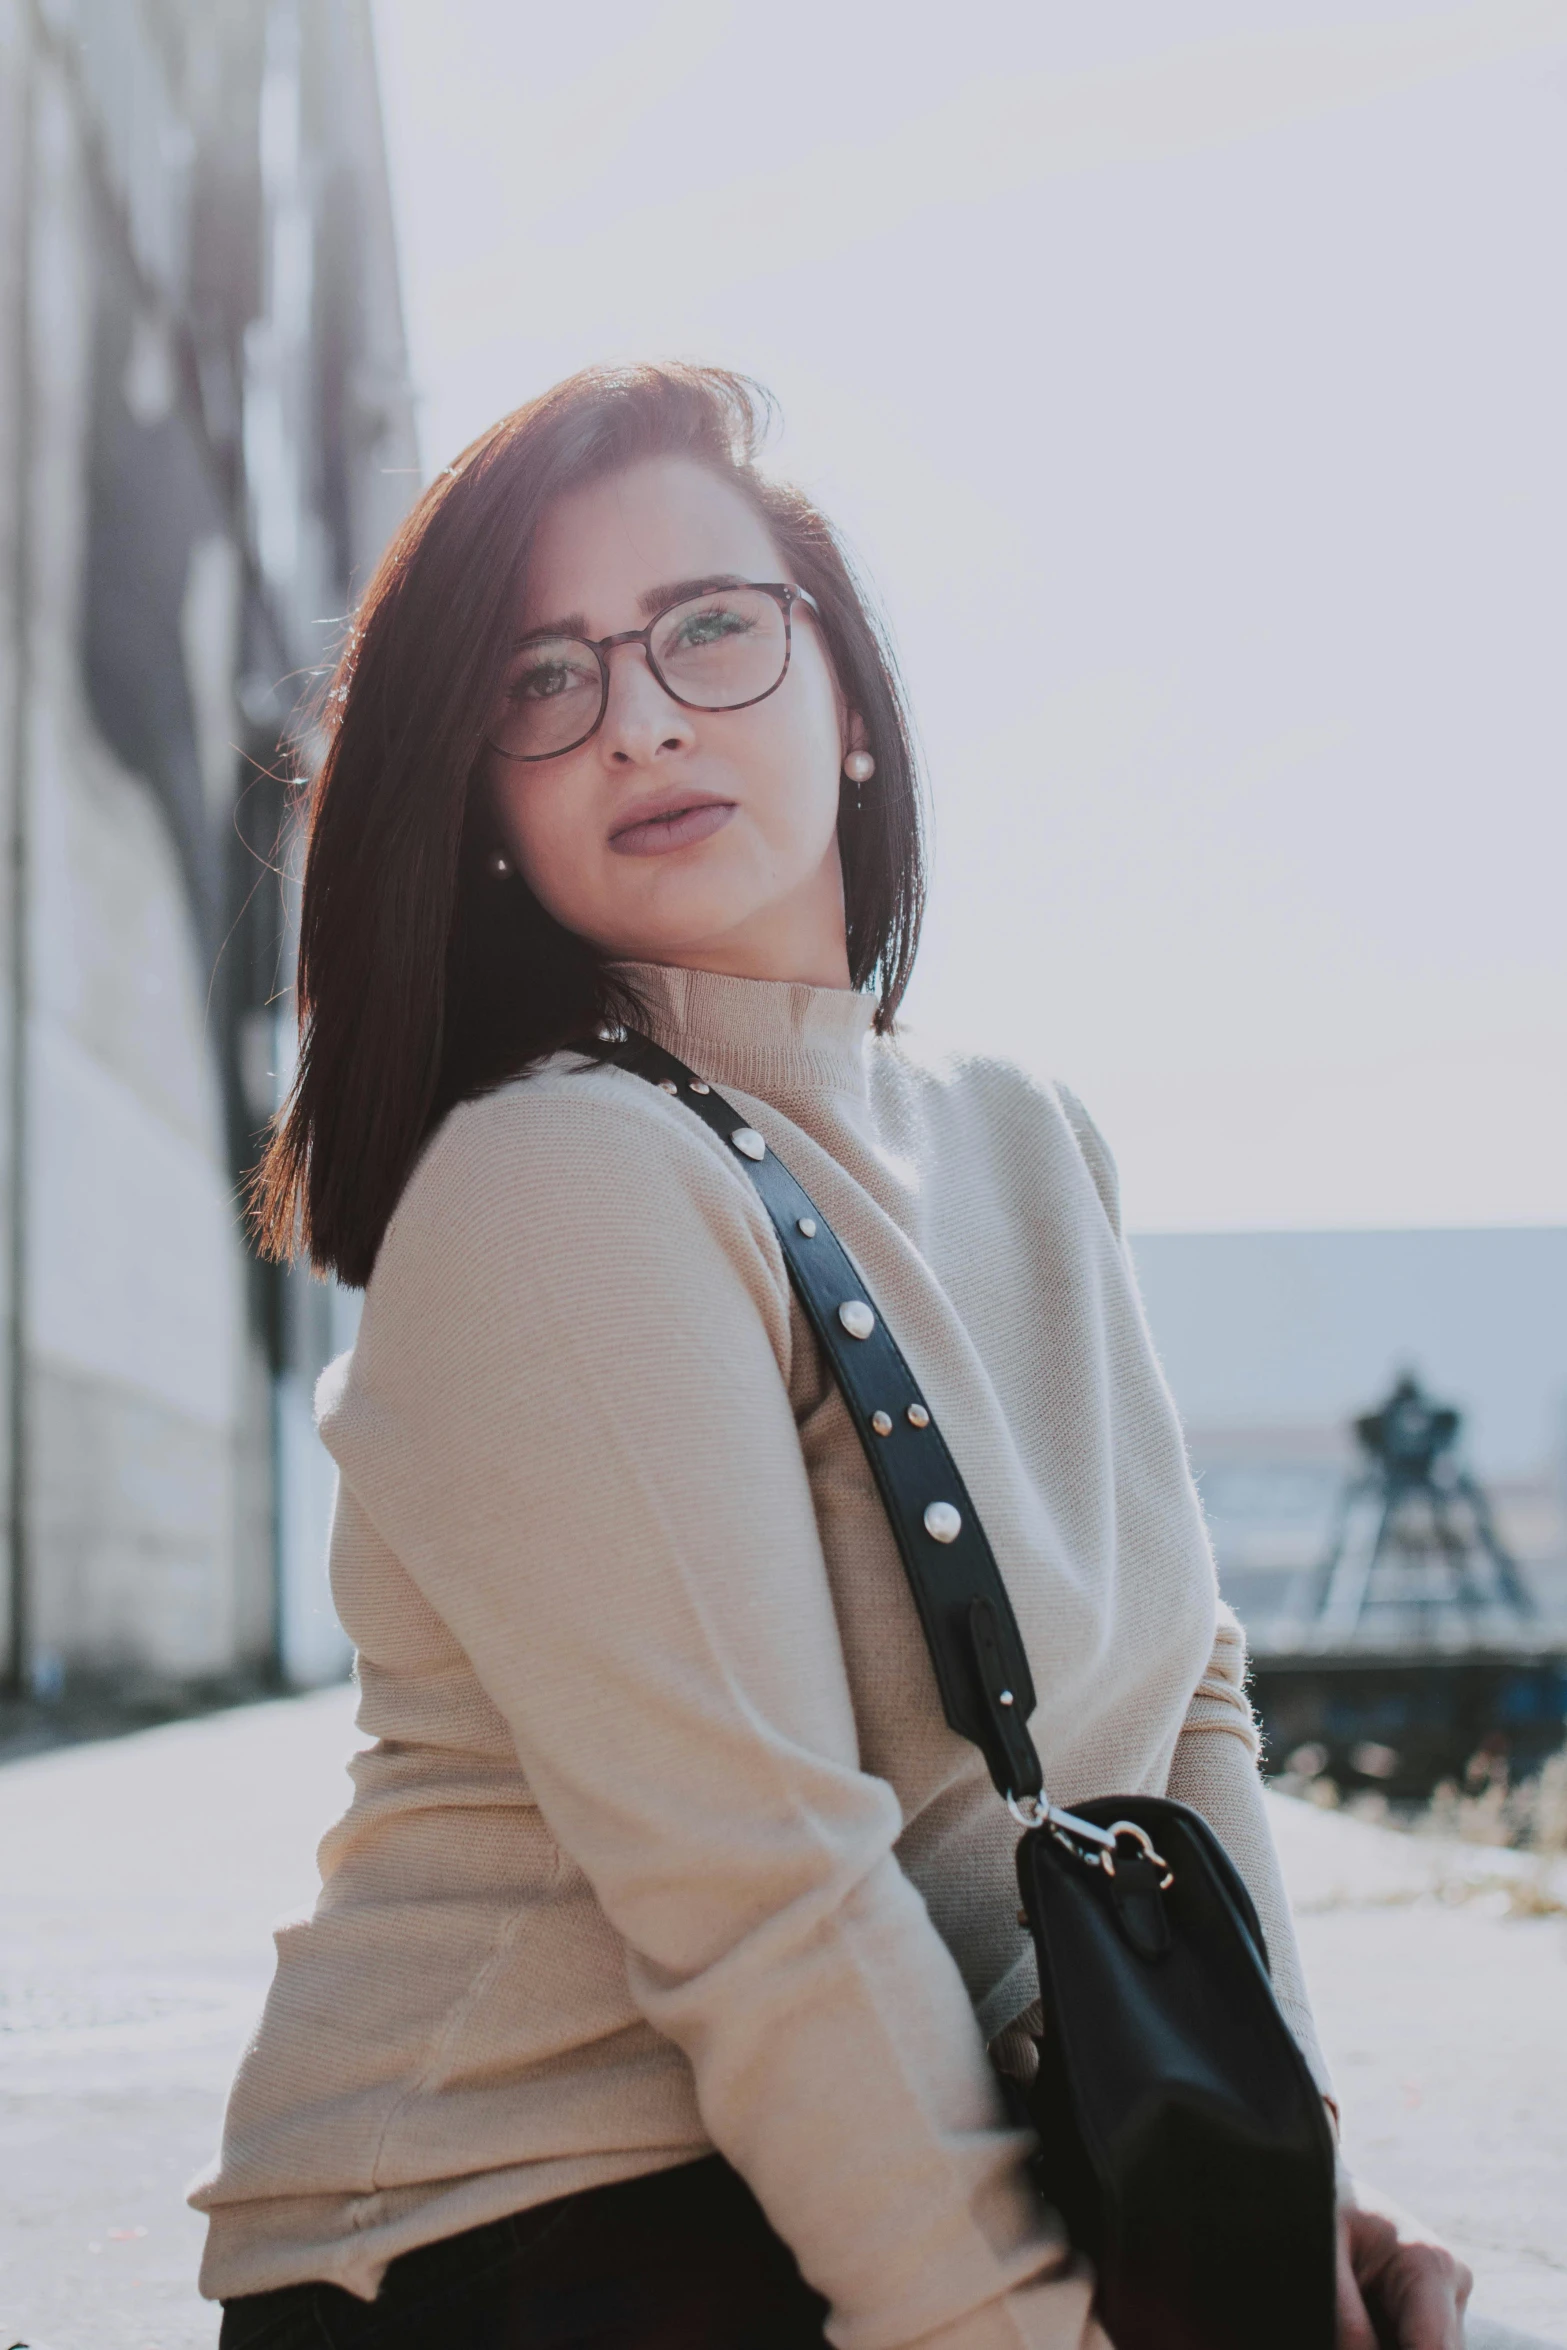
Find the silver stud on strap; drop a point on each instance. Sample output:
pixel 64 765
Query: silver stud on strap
pixel 918 1416
pixel 856 1317
pixel 807 1225
pixel 882 1423
pixel 942 1522
pixel 1006 1698
pixel 697 1086
pixel 667 1085
pixel 747 1141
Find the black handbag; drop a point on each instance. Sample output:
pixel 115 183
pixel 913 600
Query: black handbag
pixel 1181 2135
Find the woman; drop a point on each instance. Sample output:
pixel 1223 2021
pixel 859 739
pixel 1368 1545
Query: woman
pixel 648 1994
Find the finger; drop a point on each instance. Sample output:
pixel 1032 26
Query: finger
pixel 1354 2329
pixel 1372 2242
pixel 1420 2291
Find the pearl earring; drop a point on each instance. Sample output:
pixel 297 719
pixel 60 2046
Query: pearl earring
pixel 498 865
pixel 859 767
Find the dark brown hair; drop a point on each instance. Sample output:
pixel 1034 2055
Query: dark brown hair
pixel 419 984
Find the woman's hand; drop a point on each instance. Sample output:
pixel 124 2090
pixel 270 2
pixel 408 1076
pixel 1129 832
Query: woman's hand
pixel 1416 2287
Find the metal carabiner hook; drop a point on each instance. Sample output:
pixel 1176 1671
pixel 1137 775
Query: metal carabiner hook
pixel 1141 1835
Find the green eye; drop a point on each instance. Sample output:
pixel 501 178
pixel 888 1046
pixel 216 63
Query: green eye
pixel 544 681
pixel 711 627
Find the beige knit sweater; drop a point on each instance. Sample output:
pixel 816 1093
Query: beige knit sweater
pixel 660 1841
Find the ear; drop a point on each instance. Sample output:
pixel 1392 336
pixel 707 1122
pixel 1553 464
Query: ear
pixel 853 729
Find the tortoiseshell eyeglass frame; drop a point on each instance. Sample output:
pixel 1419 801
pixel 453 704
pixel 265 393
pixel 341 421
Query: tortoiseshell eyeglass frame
pixel 601 648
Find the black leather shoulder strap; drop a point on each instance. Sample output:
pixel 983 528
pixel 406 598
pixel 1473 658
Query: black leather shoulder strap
pixel 975 1647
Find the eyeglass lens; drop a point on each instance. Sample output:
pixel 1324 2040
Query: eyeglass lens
pixel 714 652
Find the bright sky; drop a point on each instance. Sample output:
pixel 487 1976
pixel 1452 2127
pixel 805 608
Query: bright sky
pixel 1192 384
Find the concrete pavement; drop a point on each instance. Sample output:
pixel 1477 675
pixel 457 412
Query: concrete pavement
pixel 141 1877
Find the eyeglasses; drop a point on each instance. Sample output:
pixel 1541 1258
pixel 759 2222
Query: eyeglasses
pixel 720 651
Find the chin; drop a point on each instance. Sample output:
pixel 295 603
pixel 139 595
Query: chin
pixel 693 919
pixel 678 944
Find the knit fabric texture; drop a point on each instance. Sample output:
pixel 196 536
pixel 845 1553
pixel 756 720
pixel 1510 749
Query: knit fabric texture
pixel 659 1841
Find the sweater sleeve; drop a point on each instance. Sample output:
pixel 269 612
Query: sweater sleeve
pixel 1215 1771
pixel 1215 1763
pixel 569 1416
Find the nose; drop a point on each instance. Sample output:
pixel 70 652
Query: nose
pixel 641 721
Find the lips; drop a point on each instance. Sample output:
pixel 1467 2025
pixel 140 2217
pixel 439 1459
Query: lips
pixel 672 823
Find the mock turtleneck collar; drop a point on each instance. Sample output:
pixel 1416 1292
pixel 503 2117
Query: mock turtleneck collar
pixel 763 1036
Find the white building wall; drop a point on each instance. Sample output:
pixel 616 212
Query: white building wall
pixel 167 1518
pixel 133 1270
pixel 15 167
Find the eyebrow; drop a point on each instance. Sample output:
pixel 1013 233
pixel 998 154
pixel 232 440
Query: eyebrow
pixel 676 590
pixel 651 600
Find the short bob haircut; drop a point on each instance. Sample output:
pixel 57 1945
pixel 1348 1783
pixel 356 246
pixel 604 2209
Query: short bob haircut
pixel 419 986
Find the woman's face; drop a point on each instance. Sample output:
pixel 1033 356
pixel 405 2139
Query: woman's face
pixel 695 837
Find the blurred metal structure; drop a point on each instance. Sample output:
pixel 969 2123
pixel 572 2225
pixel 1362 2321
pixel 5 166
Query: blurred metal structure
pixel 1420 1652
pixel 205 439
pixel 1414 1531
pixel 1269 1338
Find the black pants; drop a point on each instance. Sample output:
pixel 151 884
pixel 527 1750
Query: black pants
pixel 683 2260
